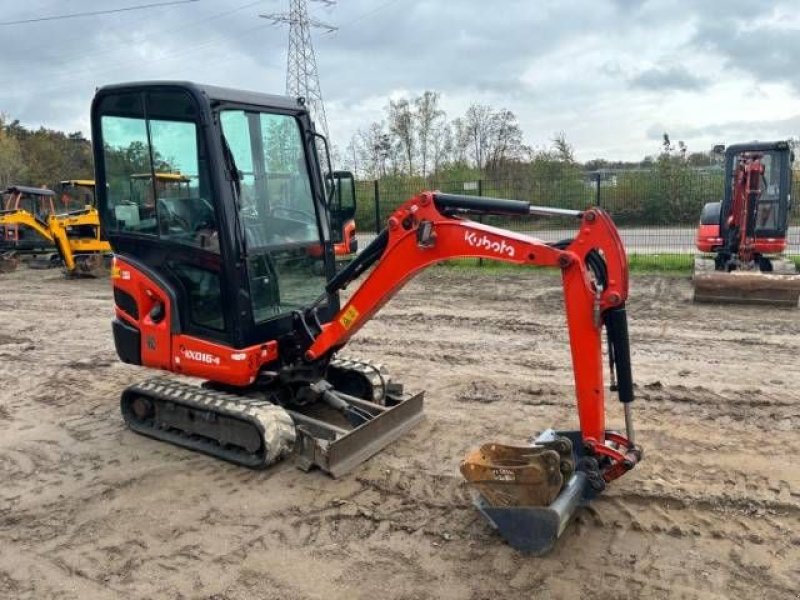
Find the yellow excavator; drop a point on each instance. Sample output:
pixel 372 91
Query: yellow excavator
pixel 75 235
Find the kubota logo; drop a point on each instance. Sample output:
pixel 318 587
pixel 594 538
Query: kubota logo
pixel 203 357
pixel 484 241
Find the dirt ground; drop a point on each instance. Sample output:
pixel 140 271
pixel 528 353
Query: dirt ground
pixel 91 510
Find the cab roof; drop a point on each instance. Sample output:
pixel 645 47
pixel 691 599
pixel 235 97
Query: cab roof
pixel 32 191
pixel 212 92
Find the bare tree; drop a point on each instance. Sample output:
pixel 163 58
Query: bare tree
pixel 460 141
pixel 477 128
pixel 401 126
pixel 427 115
pixel 371 147
pixel 504 141
pixel 351 157
pixel 441 145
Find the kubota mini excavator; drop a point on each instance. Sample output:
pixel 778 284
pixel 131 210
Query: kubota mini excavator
pixel 250 316
pixel 746 232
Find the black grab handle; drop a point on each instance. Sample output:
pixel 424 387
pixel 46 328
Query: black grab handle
pixel 616 320
pixel 480 204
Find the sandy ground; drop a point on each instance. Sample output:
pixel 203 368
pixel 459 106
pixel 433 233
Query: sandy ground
pixel 91 510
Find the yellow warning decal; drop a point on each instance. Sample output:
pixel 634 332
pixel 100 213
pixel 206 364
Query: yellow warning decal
pixel 349 317
pixel 115 272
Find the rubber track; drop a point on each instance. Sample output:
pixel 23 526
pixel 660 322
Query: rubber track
pixel 273 424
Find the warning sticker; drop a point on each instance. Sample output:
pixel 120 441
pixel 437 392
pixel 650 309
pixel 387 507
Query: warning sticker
pixel 349 317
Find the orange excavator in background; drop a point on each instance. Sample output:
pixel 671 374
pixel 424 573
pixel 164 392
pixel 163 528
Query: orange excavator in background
pixel 265 331
pixel 743 237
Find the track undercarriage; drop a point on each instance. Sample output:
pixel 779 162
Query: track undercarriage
pixel 333 424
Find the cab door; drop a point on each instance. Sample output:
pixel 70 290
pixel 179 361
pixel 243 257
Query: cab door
pixel 173 240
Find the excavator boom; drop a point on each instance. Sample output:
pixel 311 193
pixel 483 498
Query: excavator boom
pixel 426 230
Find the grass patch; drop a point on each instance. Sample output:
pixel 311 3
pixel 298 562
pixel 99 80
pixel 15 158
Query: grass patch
pixel 679 264
pixel 661 263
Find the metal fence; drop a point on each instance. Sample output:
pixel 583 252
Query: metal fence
pixel 657 213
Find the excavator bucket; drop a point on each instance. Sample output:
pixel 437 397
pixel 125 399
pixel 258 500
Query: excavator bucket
pixel 8 262
pixel 530 493
pixel 97 266
pixel 747 287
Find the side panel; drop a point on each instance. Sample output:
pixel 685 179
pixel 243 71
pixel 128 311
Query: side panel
pixel 153 326
pixel 147 314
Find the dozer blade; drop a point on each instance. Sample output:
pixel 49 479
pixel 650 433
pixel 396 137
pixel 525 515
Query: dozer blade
pixel 530 493
pixel 8 262
pixel 747 287
pixel 337 449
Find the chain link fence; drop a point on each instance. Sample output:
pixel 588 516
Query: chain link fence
pixel 657 213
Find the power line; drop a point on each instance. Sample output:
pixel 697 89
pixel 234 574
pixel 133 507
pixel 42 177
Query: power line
pixel 60 59
pixel 95 12
pixel 366 15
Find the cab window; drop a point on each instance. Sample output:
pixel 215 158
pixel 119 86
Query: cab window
pixel 156 172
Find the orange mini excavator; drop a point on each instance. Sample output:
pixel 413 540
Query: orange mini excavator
pixel 264 329
pixel 743 237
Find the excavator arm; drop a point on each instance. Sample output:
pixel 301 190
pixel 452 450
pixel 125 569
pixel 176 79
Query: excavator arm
pixel 431 228
pixel 23 217
pixel 84 252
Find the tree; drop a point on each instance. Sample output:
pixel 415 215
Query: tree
pixel 563 149
pixel 11 165
pixel 477 129
pixel 401 126
pixel 505 140
pixel 428 116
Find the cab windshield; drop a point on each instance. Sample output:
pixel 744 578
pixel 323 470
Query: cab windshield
pixel 277 210
pixel 769 213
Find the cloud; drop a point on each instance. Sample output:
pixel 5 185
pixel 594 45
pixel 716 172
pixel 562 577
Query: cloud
pixel 669 79
pixel 767 52
pixel 594 70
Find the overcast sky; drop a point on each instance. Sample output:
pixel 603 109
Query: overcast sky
pixel 613 75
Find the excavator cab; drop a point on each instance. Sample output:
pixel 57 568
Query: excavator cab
pixel 183 190
pixel 39 203
pixel 768 217
pixel 75 195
